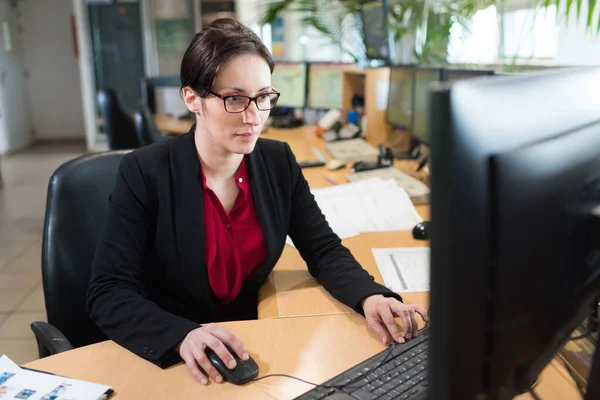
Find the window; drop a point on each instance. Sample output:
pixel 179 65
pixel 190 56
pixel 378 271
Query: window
pixel 530 33
pixel 477 43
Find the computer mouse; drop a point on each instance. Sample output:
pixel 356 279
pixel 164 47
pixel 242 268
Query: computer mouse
pixel 332 165
pixel 243 372
pixel 421 231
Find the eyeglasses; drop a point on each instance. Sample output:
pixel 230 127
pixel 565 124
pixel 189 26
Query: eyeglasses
pixel 236 103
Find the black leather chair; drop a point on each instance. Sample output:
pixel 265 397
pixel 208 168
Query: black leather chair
pixel 118 125
pixel 146 127
pixel 76 207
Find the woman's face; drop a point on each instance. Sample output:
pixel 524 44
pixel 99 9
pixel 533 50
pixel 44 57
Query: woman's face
pixel 246 75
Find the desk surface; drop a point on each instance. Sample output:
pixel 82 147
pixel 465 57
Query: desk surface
pixel 290 290
pixel 312 348
pixel 172 125
pixel 306 334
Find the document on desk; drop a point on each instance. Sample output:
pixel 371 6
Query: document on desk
pixel 373 205
pixel 370 205
pixel 404 269
pixel 21 383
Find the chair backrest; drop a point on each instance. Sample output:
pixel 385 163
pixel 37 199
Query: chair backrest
pixel 146 127
pixel 118 125
pixel 76 207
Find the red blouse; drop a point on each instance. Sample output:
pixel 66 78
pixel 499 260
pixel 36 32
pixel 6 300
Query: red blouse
pixel 235 245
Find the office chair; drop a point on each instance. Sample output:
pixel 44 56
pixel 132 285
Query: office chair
pixel 118 125
pixel 145 127
pixel 76 207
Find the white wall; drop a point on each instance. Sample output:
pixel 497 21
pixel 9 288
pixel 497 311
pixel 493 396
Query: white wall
pixel 54 87
pixel 15 127
pixel 575 45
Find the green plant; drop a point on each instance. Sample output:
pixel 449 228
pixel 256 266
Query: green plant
pixel 593 12
pixel 326 16
pixel 338 20
pixel 429 21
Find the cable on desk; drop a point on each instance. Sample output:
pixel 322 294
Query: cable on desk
pixel 575 379
pixel 346 385
pixel 286 376
pixel 534 394
pixel 582 336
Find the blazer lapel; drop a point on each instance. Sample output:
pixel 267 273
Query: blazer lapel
pixel 188 213
pixel 266 211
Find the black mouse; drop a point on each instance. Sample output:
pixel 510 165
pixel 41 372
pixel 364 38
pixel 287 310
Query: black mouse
pixel 421 231
pixel 243 372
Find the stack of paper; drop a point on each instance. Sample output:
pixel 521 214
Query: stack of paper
pixel 373 205
pixel 18 383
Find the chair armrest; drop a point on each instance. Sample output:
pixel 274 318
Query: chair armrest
pixel 49 339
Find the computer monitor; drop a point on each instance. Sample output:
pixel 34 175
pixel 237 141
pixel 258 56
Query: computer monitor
pixel 515 237
pixel 325 85
pixel 400 97
pixel 424 78
pixel 289 78
pixel 377 36
pixel 148 92
pixel 453 75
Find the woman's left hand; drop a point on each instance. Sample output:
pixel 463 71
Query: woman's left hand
pixel 380 312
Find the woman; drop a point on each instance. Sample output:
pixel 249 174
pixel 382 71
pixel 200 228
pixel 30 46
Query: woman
pixel 197 223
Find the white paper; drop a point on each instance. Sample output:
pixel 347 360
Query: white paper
pixel 404 269
pixel 18 383
pixel 370 205
pixel 373 205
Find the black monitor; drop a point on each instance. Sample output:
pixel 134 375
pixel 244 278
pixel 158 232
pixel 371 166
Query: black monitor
pixel 424 78
pixel 400 97
pixel 148 96
pixel 515 238
pixel 453 75
pixel 377 35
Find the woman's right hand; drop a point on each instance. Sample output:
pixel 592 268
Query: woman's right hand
pixel 192 350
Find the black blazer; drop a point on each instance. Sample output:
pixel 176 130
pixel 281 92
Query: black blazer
pixel 149 284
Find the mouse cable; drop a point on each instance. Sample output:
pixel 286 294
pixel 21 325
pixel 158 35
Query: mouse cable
pixel 582 336
pixel 592 323
pixel 575 379
pixel 339 387
pixel 534 394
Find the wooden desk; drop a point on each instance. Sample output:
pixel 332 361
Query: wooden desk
pixel 172 125
pixel 290 290
pixel 312 348
pixel 322 340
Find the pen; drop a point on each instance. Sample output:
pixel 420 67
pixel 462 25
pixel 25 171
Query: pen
pixel 330 181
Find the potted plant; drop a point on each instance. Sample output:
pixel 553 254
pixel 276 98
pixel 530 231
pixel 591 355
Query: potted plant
pixel 427 21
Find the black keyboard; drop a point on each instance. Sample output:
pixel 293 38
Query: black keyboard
pixel 398 372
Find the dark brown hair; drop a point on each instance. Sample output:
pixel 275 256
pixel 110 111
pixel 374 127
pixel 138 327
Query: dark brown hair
pixel 214 47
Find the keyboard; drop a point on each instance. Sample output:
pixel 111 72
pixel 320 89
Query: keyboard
pixel 417 190
pixel 352 150
pixel 398 372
